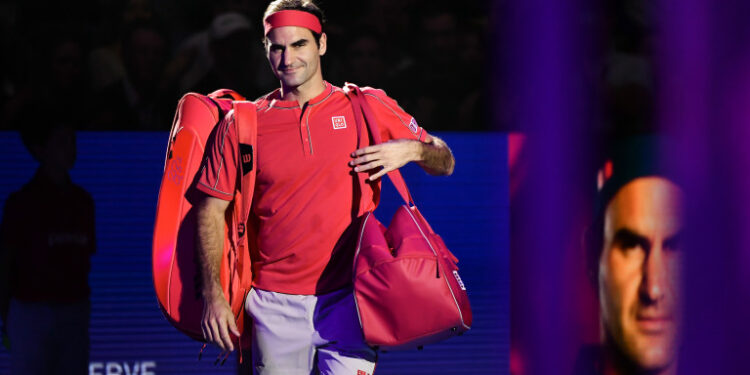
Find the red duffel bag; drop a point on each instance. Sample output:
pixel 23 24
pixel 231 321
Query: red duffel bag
pixel 406 285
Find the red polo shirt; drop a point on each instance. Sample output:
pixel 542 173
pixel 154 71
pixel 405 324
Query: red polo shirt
pixel 304 190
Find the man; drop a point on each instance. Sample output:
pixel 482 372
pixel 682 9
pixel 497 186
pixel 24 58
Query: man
pixel 635 260
pixel 301 305
pixel 47 237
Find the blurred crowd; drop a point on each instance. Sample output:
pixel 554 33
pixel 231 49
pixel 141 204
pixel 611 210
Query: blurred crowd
pixel 124 64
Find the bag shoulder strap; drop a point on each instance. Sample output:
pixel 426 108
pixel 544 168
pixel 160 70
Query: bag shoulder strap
pixel 360 106
pixel 246 118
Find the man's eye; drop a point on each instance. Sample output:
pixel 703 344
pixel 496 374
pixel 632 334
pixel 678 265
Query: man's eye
pixel 629 243
pixel 627 240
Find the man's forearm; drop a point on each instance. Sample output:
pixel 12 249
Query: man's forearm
pixel 210 249
pixel 436 157
pixel 217 321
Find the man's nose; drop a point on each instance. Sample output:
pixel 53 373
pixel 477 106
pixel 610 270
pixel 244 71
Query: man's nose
pixel 287 57
pixel 655 282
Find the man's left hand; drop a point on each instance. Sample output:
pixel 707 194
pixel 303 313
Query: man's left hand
pixel 386 156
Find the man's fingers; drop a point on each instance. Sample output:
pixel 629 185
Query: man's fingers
pixel 216 335
pixel 366 150
pixel 363 159
pixel 224 336
pixel 212 335
pixel 203 331
pixel 233 327
pixel 379 174
pixel 368 166
pixel 207 332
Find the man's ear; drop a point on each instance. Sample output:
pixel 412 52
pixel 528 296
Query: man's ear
pixel 323 44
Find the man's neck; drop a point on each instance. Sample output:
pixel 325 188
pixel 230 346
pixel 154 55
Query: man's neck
pixel 304 92
pixel 58 176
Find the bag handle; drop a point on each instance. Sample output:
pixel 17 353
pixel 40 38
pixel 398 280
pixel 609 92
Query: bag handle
pixel 247 128
pixel 226 92
pixel 360 107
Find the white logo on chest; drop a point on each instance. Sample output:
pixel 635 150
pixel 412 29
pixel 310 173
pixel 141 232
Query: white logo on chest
pixel 338 122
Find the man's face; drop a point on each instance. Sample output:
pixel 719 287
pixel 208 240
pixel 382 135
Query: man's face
pixel 639 272
pixel 294 56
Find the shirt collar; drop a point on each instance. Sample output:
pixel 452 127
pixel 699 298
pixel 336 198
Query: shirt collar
pixel 278 103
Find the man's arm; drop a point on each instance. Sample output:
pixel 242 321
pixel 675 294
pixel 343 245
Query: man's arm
pixel 218 320
pixel 433 155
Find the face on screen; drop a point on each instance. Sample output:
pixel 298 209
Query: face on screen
pixel 639 272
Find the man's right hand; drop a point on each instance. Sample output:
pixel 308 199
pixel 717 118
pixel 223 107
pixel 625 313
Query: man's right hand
pixel 218 322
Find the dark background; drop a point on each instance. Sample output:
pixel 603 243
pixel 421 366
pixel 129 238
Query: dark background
pixel 573 76
pixel 127 62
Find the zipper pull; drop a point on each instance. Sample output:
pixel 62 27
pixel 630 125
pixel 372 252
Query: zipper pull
pixel 200 353
pixel 437 267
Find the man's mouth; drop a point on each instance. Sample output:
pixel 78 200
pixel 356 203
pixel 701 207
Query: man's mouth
pixel 651 323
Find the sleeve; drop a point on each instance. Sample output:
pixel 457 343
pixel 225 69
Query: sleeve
pixel 218 174
pixel 393 121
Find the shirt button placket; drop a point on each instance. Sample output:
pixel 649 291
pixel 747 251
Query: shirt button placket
pixel 304 121
pixel 303 131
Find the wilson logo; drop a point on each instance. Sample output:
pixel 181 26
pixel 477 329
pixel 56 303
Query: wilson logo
pixel 246 156
pixel 176 171
pixel 458 278
pixel 362 372
pixel 339 122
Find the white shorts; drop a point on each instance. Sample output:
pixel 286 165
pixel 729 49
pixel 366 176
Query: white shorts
pixel 304 334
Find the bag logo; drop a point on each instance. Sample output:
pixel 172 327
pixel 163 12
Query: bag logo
pixel 413 125
pixel 246 156
pixel 362 372
pixel 339 122
pixel 176 171
pixel 458 278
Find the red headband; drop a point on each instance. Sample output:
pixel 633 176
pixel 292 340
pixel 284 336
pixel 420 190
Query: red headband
pixel 292 18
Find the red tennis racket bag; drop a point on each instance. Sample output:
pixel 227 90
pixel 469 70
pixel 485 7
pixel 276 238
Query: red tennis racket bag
pixel 406 285
pixel 176 270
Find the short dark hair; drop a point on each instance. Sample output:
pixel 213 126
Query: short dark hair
pixel 304 5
